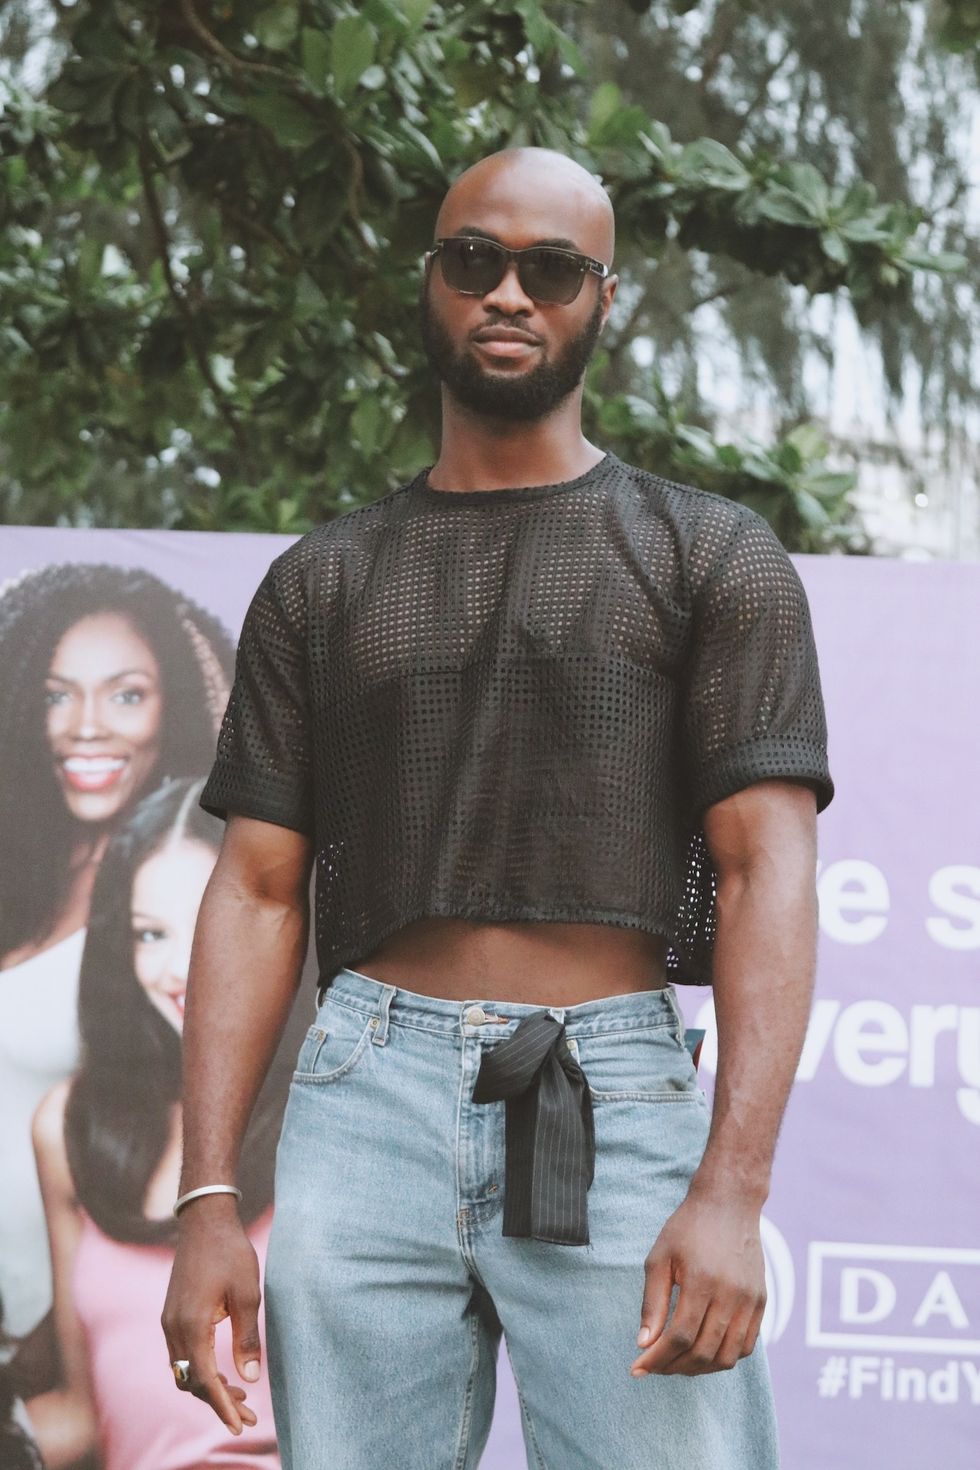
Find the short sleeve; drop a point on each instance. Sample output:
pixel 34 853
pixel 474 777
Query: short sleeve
pixel 264 761
pixel 753 706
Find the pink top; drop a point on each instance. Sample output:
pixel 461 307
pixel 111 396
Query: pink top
pixel 145 1421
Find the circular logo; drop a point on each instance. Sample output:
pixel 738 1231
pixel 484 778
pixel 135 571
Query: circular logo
pixel 780 1282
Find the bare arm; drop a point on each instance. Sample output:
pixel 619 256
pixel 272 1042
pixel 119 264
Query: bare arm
pixel 63 1419
pixel 246 962
pixel 763 843
pixel 765 850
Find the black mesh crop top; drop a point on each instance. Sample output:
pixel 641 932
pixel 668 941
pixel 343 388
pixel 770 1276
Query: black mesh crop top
pixel 517 704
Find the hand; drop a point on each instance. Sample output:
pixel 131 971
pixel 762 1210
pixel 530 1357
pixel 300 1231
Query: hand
pixel 712 1249
pixel 215 1275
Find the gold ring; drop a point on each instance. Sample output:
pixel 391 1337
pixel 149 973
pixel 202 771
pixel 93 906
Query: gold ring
pixel 182 1370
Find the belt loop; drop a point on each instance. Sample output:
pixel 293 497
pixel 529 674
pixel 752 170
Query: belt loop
pixel 671 996
pixel 381 1030
pixel 558 1012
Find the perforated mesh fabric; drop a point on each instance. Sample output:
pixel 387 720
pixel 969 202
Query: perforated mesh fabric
pixel 517 704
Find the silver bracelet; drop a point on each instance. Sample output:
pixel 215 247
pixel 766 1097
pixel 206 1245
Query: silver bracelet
pixel 204 1189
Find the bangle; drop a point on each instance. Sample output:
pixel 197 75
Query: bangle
pixel 204 1189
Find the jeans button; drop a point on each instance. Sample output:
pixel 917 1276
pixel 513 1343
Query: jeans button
pixel 474 1016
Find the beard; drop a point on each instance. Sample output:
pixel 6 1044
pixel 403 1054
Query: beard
pixel 516 397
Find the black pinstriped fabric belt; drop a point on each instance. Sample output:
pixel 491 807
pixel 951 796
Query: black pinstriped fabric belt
pixel 549 1132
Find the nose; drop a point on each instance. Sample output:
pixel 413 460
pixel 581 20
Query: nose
pixel 88 721
pixel 509 296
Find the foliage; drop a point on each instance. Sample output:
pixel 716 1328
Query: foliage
pixel 211 228
pixel 961 25
pixel 787 483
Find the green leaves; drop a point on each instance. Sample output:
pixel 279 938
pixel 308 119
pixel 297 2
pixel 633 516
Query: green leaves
pixel 612 124
pixel 291 123
pixel 778 218
pixel 711 165
pixel 788 482
pixel 961 26
pixel 315 57
pixel 352 50
pixel 210 254
pixel 276 27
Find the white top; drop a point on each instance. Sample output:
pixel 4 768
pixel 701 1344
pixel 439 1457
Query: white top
pixel 39 1046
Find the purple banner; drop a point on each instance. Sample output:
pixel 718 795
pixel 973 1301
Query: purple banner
pixel 872 1229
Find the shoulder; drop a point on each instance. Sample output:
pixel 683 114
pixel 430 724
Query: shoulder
pixel 688 504
pixel 48 1136
pixel 313 556
pixel 706 526
pixel 49 1115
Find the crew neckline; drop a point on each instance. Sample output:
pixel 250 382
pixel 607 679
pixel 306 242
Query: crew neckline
pixel 420 486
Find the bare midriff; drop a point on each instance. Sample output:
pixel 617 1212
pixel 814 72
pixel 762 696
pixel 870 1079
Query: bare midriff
pixel 538 963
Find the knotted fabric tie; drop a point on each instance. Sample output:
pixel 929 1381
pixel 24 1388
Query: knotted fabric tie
pixel 549 1132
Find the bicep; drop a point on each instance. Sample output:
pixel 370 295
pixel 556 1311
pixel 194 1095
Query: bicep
pixel 264 861
pixel 768 828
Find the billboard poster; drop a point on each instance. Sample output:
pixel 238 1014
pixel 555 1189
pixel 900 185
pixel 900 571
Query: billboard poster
pixel 872 1228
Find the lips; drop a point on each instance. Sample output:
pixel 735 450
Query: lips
pixel 93 772
pixel 505 342
pixel 505 334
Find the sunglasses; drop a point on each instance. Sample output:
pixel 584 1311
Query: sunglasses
pixel 548 274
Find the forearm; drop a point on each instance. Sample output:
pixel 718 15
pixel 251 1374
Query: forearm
pixel 245 970
pixel 764 968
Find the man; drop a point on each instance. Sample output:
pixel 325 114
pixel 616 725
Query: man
pixel 551 729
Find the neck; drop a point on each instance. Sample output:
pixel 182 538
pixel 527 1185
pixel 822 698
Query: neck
pixel 88 852
pixel 479 453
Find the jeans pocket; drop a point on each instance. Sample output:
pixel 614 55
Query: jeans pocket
pixel 638 1063
pixel 334 1044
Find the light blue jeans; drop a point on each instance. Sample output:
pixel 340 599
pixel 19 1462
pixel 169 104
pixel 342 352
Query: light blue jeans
pixel 388 1281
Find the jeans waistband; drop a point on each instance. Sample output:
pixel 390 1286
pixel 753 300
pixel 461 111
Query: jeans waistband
pixel 634 1008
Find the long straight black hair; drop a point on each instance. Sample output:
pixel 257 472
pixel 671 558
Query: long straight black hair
pixel 196 659
pixel 117 1120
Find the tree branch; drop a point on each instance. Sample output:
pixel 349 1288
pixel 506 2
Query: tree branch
pixel 255 227
pixel 726 19
pixel 732 289
pixel 762 89
pixel 237 63
pixel 181 303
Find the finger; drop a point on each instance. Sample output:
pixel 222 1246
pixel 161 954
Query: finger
pixel 700 1357
pixel 732 1347
pixel 753 1329
pixel 209 1385
pixel 246 1414
pixel 176 1354
pixel 246 1343
pixel 656 1300
pixel 218 1396
pixel 738 1341
pixel 681 1331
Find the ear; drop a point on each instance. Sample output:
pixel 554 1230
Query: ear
pixel 608 293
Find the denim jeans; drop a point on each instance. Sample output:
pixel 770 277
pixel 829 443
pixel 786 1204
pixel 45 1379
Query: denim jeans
pixel 388 1281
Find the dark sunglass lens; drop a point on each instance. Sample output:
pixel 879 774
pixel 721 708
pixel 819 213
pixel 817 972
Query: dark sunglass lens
pixel 547 275
pixel 472 265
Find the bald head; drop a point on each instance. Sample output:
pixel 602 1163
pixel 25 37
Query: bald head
pixel 535 193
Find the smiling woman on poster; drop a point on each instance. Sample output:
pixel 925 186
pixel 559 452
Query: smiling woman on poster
pixel 108 1145
pixel 109 680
